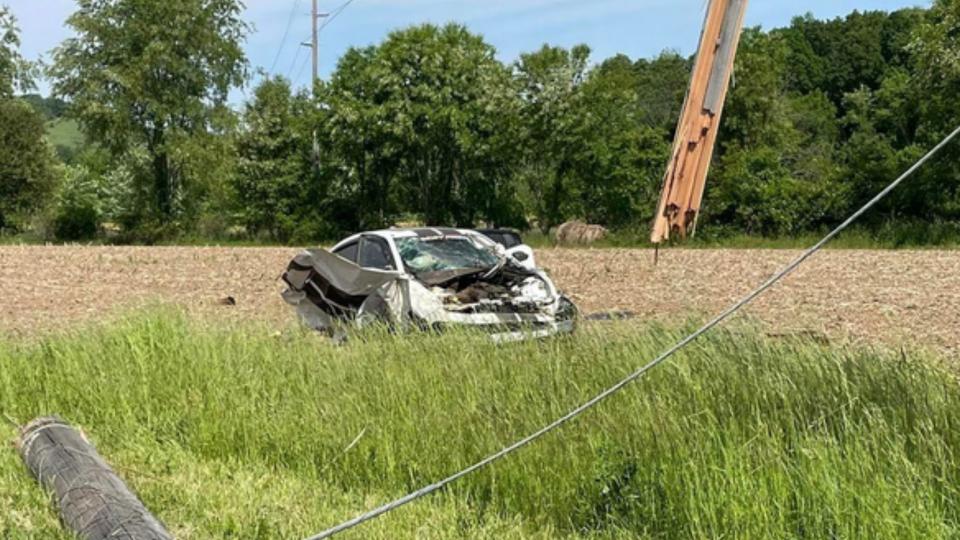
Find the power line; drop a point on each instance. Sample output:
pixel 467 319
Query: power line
pixel 303 66
pixel 308 41
pixel 286 33
pixel 293 64
pixel 377 512
pixel 335 13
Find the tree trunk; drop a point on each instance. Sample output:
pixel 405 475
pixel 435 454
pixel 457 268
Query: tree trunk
pixel 163 186
pixel 94 502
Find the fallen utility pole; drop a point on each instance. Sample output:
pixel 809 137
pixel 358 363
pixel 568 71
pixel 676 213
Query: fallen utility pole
pixel 696 134
pixel 94 502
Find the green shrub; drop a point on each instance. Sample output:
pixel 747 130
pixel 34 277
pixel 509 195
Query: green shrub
pixel 77 223
pixel 79 207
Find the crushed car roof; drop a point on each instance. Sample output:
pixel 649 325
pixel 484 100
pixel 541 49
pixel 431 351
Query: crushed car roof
pixel 423 232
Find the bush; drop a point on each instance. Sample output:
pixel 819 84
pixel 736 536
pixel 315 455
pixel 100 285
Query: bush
pixel 77 223
pixel 78 212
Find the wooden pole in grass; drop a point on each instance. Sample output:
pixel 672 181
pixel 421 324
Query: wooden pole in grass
pixel 92 499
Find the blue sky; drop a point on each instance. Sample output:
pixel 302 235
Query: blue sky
pixel 638 28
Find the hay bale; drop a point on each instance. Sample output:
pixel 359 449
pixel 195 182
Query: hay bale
pixel 578 232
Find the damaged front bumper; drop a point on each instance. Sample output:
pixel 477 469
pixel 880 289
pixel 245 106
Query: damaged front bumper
pixel 331 294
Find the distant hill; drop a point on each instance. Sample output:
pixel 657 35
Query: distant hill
pixel 63 133
pixel 50 107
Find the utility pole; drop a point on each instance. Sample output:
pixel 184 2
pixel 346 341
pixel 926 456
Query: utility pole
pixel 314 45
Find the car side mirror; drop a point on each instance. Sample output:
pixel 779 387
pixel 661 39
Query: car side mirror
pixel 520 256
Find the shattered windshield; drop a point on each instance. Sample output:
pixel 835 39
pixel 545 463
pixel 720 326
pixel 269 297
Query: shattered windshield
pixel 444 254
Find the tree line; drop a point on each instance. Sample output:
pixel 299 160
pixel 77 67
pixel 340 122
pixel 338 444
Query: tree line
pixel 429 126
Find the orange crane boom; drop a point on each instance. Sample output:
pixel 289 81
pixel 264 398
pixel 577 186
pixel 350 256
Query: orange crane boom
pixel 696 136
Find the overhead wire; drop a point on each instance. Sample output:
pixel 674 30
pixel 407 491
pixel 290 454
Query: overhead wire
pixel 334 14
pixel 293 64
pixel 725 314
pixel 303 66
pixel 286 34
pixel 330 18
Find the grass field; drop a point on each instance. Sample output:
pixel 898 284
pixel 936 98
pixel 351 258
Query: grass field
pixel 66 133
pixel 244 432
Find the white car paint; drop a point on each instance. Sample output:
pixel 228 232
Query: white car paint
pixel 535 308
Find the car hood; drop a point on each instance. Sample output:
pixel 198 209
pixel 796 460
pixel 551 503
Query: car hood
pixel 339 273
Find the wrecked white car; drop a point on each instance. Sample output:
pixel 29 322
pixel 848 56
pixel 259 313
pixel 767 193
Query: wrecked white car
pixel 426 278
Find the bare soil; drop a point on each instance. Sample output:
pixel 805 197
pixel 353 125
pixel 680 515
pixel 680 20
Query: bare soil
pixel 890 297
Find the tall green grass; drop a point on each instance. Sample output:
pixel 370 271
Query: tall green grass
pixel 242 433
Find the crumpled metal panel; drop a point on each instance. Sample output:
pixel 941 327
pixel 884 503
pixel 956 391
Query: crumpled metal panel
pixel 330 292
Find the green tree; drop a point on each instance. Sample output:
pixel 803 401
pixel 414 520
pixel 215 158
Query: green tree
pixel 364 152
pixel 871 156
pixel 619 158
pixel 776 171
pixel 661 85
pixel 79 210
pixel 28 173
pixel 448 102
pixel 50 108
pixel 152 75
pixel 275 163
pixel 16 73
pixel 840 55
pixel 549 81
pixel 935 52
pixel 28 170
pixel 428 116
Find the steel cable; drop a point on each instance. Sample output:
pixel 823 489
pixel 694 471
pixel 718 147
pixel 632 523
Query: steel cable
pixel 286 33
pixel 334 14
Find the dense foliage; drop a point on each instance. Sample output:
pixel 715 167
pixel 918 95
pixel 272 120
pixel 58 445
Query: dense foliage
pixel 430 126
pixel 150 79
pixel 822 114
pixel 28 172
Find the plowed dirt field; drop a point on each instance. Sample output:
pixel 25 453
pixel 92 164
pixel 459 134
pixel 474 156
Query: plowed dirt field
pixel 890 297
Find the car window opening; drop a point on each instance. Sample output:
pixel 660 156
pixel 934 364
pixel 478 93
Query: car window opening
pixel 374 253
